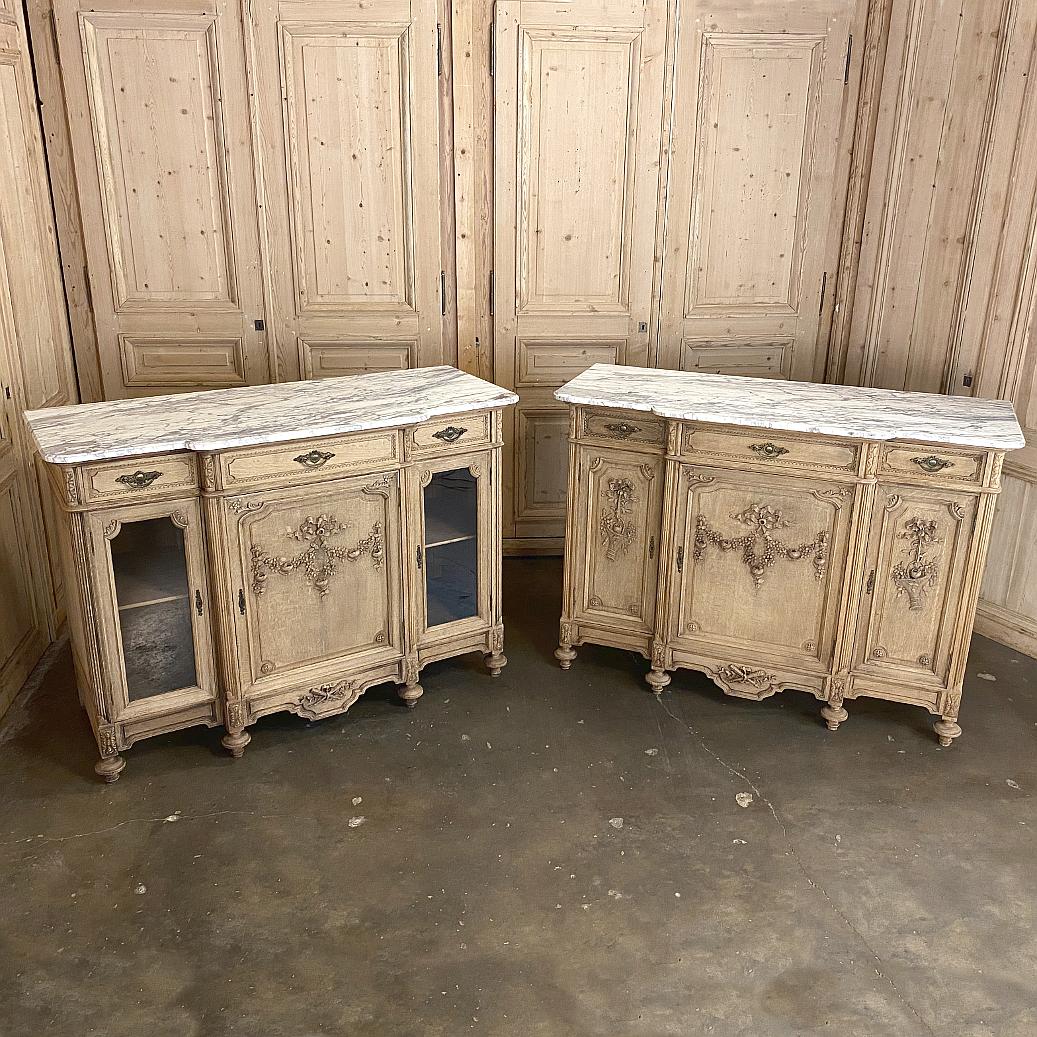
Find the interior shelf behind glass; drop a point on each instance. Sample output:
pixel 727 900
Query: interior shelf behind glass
pixel 451 503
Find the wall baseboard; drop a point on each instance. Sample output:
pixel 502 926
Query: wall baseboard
pixel 1006 627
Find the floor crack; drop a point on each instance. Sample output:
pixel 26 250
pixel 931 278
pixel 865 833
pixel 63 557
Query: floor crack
pixel 811 881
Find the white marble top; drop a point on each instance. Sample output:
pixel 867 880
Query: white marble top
pixel 834 410
pixel 254 414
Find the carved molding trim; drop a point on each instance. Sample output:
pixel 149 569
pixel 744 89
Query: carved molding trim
pixel 209 471
pixel 178 518
pixel 918 572
pixel 71 488
pixel 617 529
pixel 111 528
pixel 835 496
pixel 107 741
pixel 244 504
pixel 319 560
pixel 745 681
pixel 763 520
pixel 235 715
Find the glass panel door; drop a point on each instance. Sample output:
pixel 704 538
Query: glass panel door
pixel 451 549
pixel 153 599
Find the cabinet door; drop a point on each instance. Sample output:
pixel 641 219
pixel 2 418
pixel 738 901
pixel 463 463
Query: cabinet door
pixel 348 107
pixel 454 556
pixel 317 572
pixel 617 535
pixel 152 607
pixel 755 186
pixel 577 117
pixel 159 121
pixel 759 565
pixel 919 552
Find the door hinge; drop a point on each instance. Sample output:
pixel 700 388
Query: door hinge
pixel 491 293
pixel 442 293
pixel 846 67
pixel 198 602
pixel 439 49
pixel 870 586
pixel 824 287
pixel 967 379
pixel 417 555
pixel 7 391
pixel 680 559
pixel 241 601
pixel 493 51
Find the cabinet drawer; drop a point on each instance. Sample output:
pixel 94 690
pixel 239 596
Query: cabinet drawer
pixel 141 478
pixel 446 435
pixel 760 449
pixel 307 460
pixel 924 464
pixel 628 427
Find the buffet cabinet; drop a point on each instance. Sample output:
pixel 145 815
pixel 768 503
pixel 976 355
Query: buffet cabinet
pixel 218 587
pixel 767 560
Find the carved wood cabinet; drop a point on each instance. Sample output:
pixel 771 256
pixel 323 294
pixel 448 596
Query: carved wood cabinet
pixel 770 558
pixel 220 583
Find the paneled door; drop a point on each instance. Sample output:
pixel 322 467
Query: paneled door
pixel 348 108
pixel 578 108
pixel 755 186
pixel 159 120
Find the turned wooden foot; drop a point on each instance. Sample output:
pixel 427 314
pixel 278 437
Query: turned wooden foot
pixel 565 655
pixel 410 693
pixel 657 680
pixel 496 662
pixel 947 729
pixel 235 741
pixel 834 715
pixel 110 767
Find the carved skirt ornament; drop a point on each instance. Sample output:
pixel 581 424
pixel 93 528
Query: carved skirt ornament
pixel 319 561
pixel 760 548
pixel 918 572
pixel 617 528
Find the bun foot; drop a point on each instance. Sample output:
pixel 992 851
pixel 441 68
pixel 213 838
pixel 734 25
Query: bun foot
pixel 410 694
pixel 657 680
pixel 565 654
pixel 235 741
pixel 947 730
pixel 110 767
pixel 833 715
pixel 496 663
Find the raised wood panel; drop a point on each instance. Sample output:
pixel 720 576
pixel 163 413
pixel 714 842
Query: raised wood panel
pixel 184 362
pixel 22 635
pixel 760 565
pixel 160 152
pixel 542 464
pixel 159 120
pixel 757 139
pixel 347 105
pixel 335 358
pixel 546 362
pixel 756 179
pixel 763 359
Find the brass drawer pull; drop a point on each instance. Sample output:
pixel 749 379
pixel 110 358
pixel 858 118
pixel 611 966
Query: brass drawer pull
pixel 450 434
pixel 139 480
pixel 768 449
pixel 621 430
pixel 932 464
pixel 315 458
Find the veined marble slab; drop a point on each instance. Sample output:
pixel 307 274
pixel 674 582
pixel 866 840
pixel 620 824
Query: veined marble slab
pixel 223 418
pixel 831 410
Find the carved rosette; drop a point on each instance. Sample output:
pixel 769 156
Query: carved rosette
pixel 617 528
pixel 319 561
pixel 760 547
pixel 918 572
pixel 745 682
pixel 328 698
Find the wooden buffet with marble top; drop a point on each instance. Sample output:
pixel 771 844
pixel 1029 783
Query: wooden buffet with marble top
pixel 234 553
pixel 781 535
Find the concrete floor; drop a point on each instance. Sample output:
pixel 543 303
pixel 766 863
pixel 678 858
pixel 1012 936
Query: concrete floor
pixel 462 868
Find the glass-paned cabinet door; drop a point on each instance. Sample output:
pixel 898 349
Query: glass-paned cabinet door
pixel 154 618
pixel 455 550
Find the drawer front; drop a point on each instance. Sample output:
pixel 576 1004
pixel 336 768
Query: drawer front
pixel 308 460
pixel 139 479
pixel 925 465
pixel 760 449
pixel 450 435
pixel 629 427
